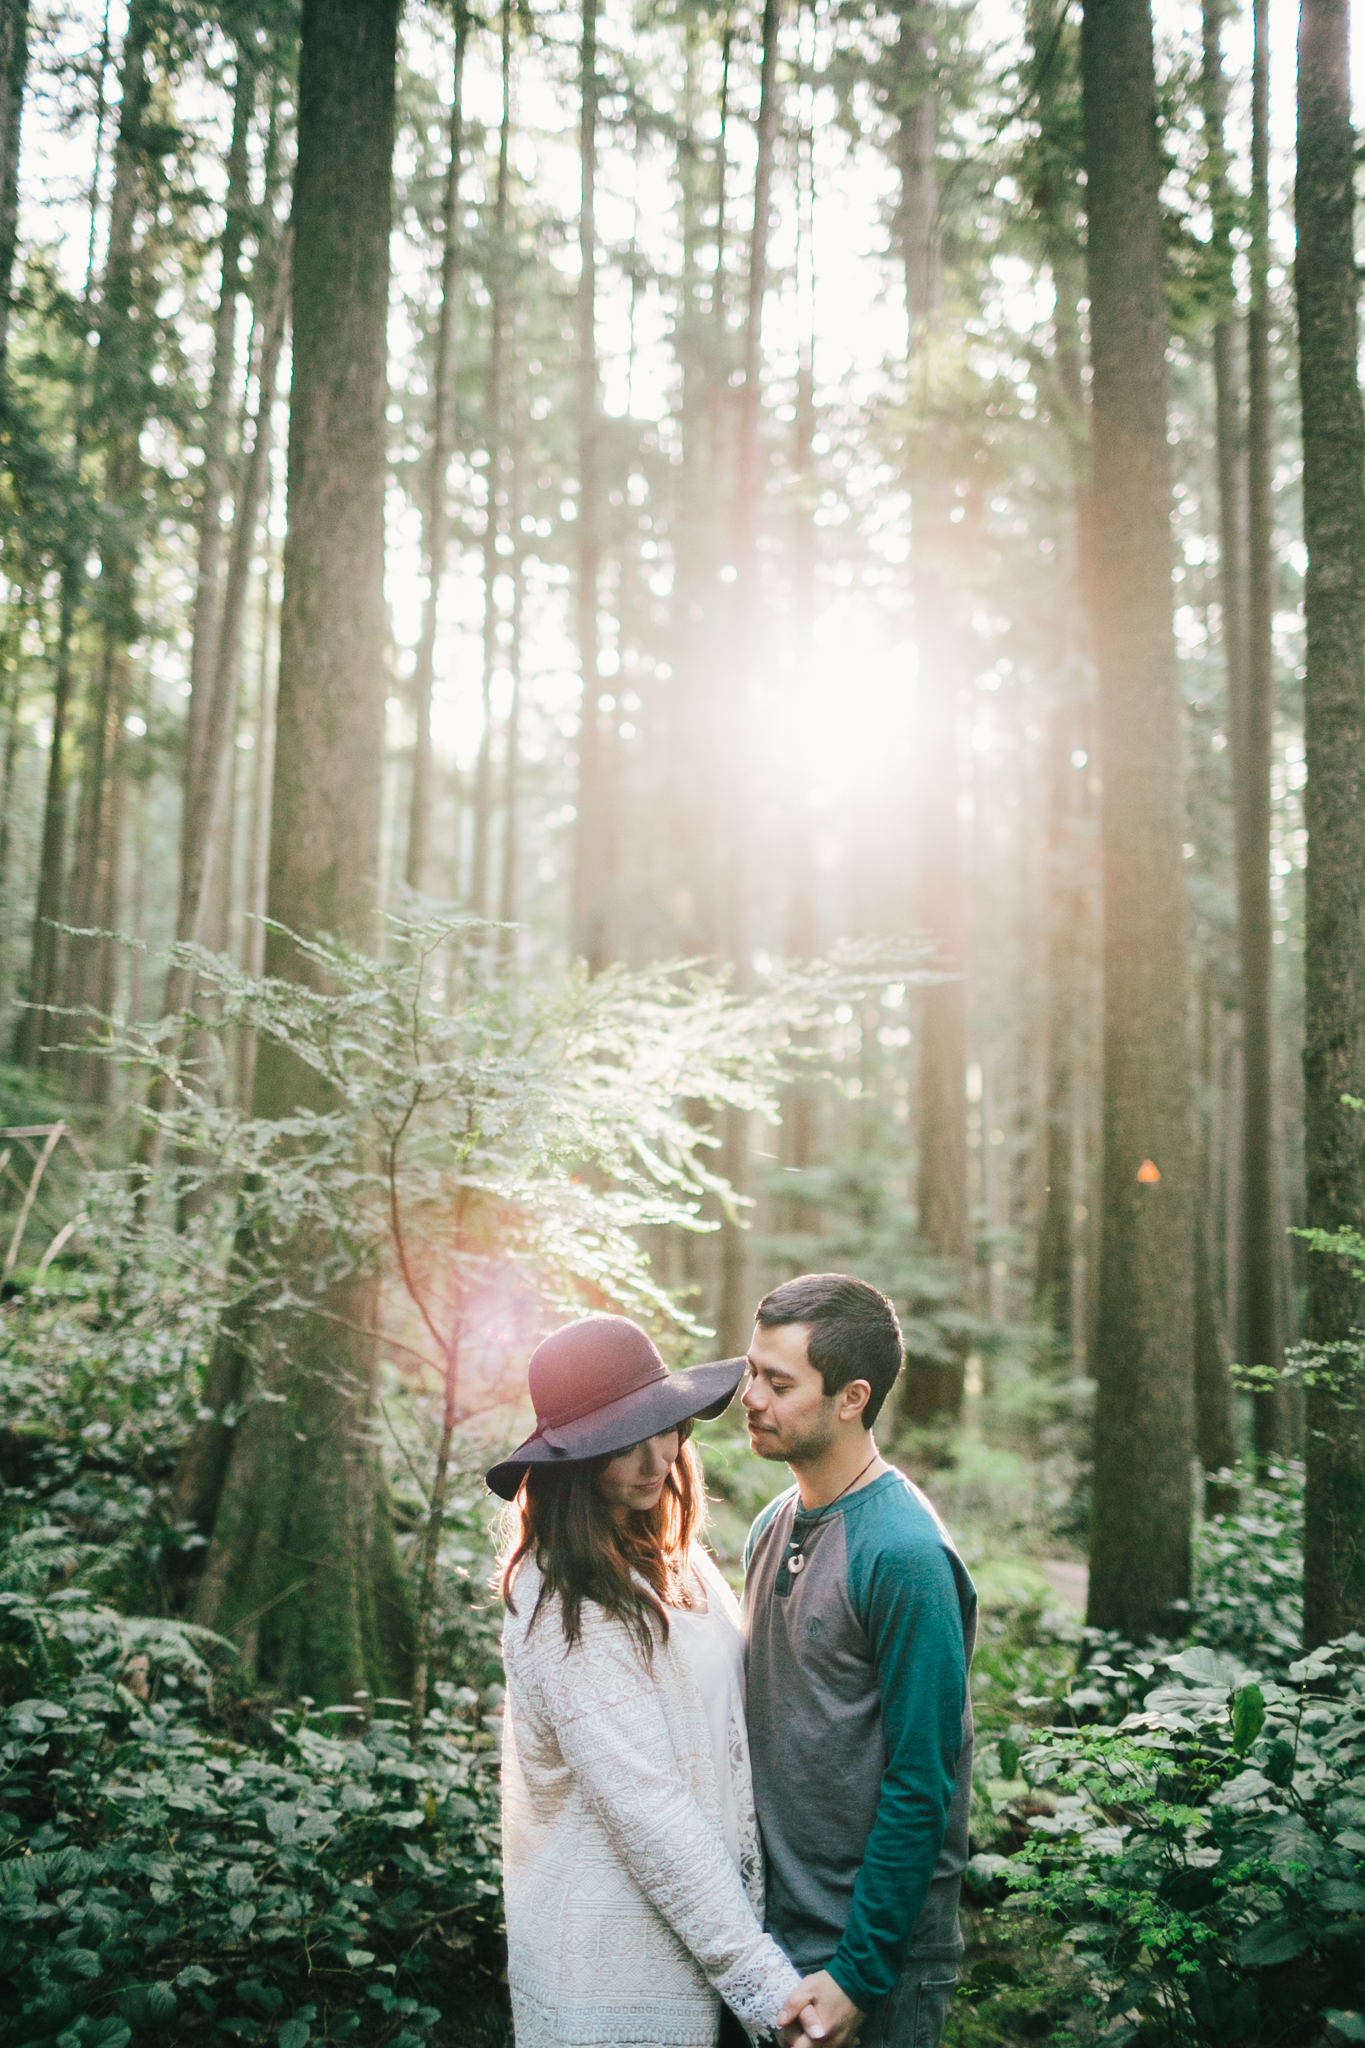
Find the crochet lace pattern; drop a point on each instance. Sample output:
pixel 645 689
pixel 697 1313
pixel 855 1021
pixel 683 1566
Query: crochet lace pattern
pixel 626 1918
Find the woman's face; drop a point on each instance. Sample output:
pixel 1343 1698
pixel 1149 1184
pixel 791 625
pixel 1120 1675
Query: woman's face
pixel 634 1479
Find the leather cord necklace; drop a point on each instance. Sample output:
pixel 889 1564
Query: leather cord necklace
pixel 796 1561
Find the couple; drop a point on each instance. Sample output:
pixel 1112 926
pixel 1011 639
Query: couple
pixel 642 1809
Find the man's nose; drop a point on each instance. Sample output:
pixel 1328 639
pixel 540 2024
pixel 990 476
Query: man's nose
pixel 752 1396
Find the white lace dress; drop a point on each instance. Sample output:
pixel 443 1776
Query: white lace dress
pixel 629 1917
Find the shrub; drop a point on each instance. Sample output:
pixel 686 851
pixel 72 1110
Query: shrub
pixel 160 1880
pixel 1204 1856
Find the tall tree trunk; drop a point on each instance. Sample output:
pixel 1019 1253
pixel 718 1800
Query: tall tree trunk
pixel 13 673
pixel 1054 1272
pixel 735 1314
pixel 1251 736
pixel 1327 289
pixel 216 474
pixel 590 937
pixel 495 406
pixel 258 849
pixel 933 1387
pixel 1213 1388
pixel 1214 1420
pixel 434 523
pixel 37 1028
pixel 1071 935
pixel 13 75
pixel 301 1568
pixel 117 414
pixel 1144 1421
pixel 507 894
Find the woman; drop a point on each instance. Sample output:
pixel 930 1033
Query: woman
pixel 630 1851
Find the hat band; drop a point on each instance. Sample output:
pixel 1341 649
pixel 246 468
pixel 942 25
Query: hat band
pixel 591 1407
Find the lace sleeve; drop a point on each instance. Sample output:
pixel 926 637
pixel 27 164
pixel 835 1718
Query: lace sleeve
pixel 603 1704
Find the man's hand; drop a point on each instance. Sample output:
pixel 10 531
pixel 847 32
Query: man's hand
pixel 820 2015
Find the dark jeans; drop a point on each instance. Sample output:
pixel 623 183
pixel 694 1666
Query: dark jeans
pixel 914 2012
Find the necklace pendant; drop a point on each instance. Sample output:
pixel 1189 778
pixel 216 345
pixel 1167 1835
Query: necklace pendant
pixel 796 1564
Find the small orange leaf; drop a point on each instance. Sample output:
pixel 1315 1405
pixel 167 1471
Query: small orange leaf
pixel 1148 1172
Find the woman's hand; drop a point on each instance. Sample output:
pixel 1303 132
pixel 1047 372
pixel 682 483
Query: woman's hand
pixel 819 2015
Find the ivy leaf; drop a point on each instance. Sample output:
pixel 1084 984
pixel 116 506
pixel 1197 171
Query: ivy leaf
pixel 1348 2026
pixel 293 2034
pixel 240 1878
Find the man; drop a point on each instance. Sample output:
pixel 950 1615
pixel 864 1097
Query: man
pixel 860 1620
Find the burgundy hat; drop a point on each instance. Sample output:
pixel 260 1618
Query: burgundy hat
pixel 598 1387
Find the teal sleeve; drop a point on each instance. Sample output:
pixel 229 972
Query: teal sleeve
pixel 906 1600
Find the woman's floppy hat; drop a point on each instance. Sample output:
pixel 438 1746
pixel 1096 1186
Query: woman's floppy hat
pixel 600 1386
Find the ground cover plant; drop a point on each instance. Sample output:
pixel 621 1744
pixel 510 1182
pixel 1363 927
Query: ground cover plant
pixel 162 1877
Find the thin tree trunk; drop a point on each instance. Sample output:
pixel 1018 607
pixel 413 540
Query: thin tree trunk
pixel 442 448
pixel 216 474
pixel 13 75
pixel 35 1025
pixel 495 405
pixel 18 613
pixel 1214 1423
pixel 1054 1273
pixel 258 851
pixel 735 1314
pixel 209 876
pixel 1213 1388
pixel 1144 1421
pixel 507 906
pixel 1252 736
pixel 1327 289
pixel 301 1565
pixel 118 407
pixel 933 1387
pixel 590 915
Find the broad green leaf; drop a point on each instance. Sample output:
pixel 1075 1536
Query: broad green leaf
pixel 293 2034
pixel 1248 1717
pixel 1271 1942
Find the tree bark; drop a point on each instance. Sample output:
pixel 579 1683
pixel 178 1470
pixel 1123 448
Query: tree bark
pixel 1144 1422
pixel 216 475
pixel 735 1310
pixel 1260 1341
pixel 1213 1388
pixel 495 407
pixel 933 1388
pixel 301 1568
pixel 1327 288
pixel 590 936
pixel 13 75
pixel 36 1027
pixel 117 415
pixel 434 523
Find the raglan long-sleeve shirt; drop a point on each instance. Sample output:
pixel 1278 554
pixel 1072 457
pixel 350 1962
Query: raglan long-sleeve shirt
pixel 860 1729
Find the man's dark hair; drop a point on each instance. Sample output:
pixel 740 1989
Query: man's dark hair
pixel 854 1331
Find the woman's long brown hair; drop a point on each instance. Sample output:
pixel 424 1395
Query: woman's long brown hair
pixel 561 1520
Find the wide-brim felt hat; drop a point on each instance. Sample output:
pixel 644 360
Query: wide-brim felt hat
pixel 598 1386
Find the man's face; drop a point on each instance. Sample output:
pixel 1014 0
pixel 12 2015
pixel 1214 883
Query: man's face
pixel 790 1416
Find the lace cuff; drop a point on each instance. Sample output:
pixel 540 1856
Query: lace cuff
pixel 756 1988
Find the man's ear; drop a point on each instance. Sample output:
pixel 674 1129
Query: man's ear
pixel 853 1399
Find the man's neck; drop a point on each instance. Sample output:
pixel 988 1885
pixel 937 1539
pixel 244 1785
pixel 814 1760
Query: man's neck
pixel 846 1467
